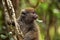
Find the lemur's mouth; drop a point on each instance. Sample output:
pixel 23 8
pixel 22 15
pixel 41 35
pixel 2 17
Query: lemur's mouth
pixel 35 17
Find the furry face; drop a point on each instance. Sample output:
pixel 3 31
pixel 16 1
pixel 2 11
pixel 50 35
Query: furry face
pixel 29 15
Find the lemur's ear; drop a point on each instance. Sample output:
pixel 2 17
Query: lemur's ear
pixel 23 11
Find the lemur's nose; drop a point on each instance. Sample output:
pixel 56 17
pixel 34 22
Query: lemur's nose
pixel 35 16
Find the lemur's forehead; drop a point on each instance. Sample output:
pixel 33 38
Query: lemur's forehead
pixel 28 10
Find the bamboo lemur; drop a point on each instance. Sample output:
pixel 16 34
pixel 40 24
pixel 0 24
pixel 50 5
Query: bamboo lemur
pixel 27 24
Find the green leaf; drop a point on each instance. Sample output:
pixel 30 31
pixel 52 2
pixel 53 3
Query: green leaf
pixel 11 38
pixel 44 6
pixel 3 36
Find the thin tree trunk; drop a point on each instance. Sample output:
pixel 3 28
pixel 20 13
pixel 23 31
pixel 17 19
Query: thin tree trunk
pixel 16 7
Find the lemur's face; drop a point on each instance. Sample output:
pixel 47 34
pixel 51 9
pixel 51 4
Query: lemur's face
pixel 29 15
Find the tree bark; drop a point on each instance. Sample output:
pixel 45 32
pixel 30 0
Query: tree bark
pixel 16 7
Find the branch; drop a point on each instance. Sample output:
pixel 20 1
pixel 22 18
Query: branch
pixel 7 18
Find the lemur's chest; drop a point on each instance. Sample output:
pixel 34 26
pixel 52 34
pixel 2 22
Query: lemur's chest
pixel 26 27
